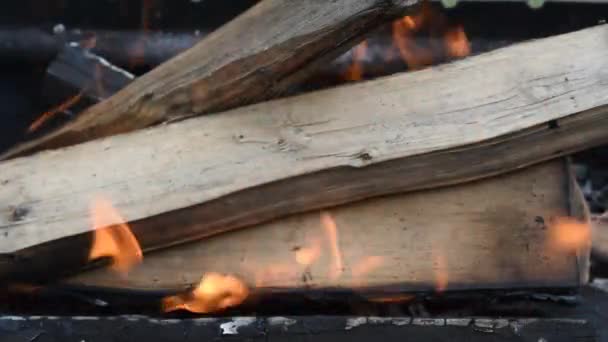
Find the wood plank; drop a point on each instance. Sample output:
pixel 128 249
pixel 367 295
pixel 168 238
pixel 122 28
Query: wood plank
pixel 494 233
pixel 242 62
pixel 216 173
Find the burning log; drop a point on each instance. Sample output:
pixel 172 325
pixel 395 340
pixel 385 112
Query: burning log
pixel 242 62
pixel 200 177
pixel 469 236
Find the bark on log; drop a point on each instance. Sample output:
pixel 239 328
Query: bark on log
pixel 217 173
pixel 240 63
pixel 495 233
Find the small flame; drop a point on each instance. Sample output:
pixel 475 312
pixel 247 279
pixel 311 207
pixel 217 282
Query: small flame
pixel 355 70
pixel 569 234
pixel 215 292
pixel 440 268
pixel 51 113
pixel 403 37
pixel 457 43
pixel 364 267
pixel 113 238
pixel 306 256
pixel 331 230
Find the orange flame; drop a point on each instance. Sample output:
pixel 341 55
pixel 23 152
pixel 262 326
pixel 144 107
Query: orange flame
pixel 215 292
pixel 51 113
pixel 403 37
pixel 331 229
pixel 455 41
pixel 569 234
pixel 443 41
pixel 306 256
pixel 440 268
pixel 113 238
pixel 355 70
pixel 364 267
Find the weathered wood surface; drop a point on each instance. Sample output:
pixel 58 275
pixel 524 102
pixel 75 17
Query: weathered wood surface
pixel 216 173
pixel 242 62
pixel 295 328
pixel 494 233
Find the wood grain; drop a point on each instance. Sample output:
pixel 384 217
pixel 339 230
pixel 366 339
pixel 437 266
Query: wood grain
pixel 216 173
pixel 494 233
pixel 261 53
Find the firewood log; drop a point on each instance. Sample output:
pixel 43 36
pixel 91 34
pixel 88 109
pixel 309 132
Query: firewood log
pixel 216 173
pixel 500 232
pixel 264 51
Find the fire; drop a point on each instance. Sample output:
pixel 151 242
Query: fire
pixel 214 292
pixel 440 268
pixel 355 70
pixel 420 40
pixel 367 265
pixel 113 238
pixel 51 113
pixel 331 230
pixel 456 42
pixel 403 37
pixel 306 256
pixel 569 234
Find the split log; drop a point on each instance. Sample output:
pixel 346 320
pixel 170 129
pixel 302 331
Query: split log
pixel 200 177
pixel 494 233
pixel 240 63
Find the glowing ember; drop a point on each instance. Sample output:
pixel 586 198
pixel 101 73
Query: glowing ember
pixel 51 113
pixel 355 70
pixel 397 298
pixel 112 238
pixel 569 234
pixel 215 292
pixel 328 223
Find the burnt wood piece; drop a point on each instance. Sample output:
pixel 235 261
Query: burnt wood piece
pixel 77 79
pixel 444 238
pixel 319 328
pixel 240 63
pixel 217 173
